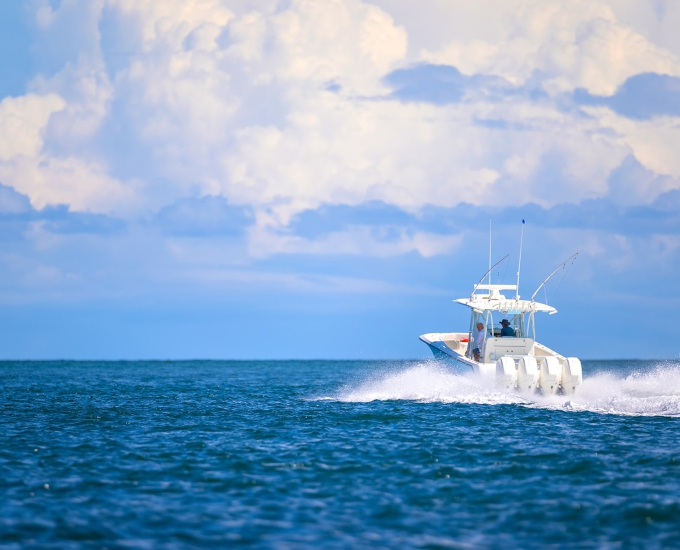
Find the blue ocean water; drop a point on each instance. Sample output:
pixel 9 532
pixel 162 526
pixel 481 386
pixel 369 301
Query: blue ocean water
pixel 334 454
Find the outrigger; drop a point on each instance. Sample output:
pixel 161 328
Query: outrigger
pixel 516 362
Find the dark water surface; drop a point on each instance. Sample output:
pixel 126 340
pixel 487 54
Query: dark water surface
pixel 333 454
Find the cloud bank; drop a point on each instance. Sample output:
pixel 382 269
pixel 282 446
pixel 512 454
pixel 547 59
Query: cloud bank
pixel 204 139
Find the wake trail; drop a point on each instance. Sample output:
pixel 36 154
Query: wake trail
pixel 651 392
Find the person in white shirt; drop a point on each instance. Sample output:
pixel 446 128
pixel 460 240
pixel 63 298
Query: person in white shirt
pixel 479 341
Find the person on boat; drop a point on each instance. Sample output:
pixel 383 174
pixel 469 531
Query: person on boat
pixel 479 341
pixel 507 330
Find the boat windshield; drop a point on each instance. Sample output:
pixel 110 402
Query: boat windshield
pixel 522 324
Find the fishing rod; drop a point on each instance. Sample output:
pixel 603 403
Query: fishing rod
pixel 485 274
pixel 549 276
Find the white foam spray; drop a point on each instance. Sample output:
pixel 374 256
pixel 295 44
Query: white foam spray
pixel 652 392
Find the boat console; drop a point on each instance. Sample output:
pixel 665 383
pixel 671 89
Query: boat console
pixel 495 348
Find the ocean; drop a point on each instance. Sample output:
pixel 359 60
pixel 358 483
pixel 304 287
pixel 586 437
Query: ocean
pixel 334 454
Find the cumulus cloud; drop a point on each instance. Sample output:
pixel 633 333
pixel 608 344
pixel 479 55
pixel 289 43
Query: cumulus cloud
pixel 569 44
pixel 195 93
pixel 83 186
pixel 276 109
pixel 48 179
pixel 22 124
pixel 641 97
pixel 653 142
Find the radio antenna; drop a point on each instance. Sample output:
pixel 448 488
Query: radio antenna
pixel 489 250
pixel 519 265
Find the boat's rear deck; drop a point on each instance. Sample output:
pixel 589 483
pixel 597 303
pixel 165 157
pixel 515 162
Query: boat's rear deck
pixel 494 348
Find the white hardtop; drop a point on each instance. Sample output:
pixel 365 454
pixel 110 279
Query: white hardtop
pixel 495 301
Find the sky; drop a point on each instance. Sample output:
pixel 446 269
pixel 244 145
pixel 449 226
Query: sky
pixel 254 179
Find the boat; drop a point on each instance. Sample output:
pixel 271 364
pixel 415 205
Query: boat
pixel 511 356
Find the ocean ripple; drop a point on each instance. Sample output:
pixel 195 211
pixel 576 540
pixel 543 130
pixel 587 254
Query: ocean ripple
pixel 333 454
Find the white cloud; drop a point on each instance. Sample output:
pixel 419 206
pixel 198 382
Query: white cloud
pixel 349 151
pixel 656 20
pixel 654 142
pixel 47 179
pixel 23 121
pixel 81 185
pixel 357 240
pixel 573 44
pixel 602 55
pixel 87 93
pixel 170 22
pixel 232 99
pixel 348 42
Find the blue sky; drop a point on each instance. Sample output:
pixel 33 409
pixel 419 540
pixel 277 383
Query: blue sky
pixel 315 178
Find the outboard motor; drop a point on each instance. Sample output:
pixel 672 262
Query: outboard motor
pixel 527 374
pixel 506 373
pixel 550 375
pixel 572 375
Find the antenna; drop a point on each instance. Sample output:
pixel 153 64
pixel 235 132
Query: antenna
pixel 549 276
pixel 519 265
pixel 489 250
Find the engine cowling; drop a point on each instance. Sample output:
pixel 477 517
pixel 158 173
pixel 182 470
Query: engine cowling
pixel 506 373
pixel 527 374
pixel 550 376
pixel 572 375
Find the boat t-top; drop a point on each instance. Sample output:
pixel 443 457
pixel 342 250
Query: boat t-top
pixel 510 355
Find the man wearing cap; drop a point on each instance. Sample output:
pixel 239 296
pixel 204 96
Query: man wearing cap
pixel 507 330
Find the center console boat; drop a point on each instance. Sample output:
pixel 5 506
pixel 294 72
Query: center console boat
pixel 511 356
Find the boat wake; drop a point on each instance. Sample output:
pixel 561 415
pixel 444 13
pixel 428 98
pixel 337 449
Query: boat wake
pixel 651 392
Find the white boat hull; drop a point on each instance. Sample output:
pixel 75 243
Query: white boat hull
pixel 535 369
